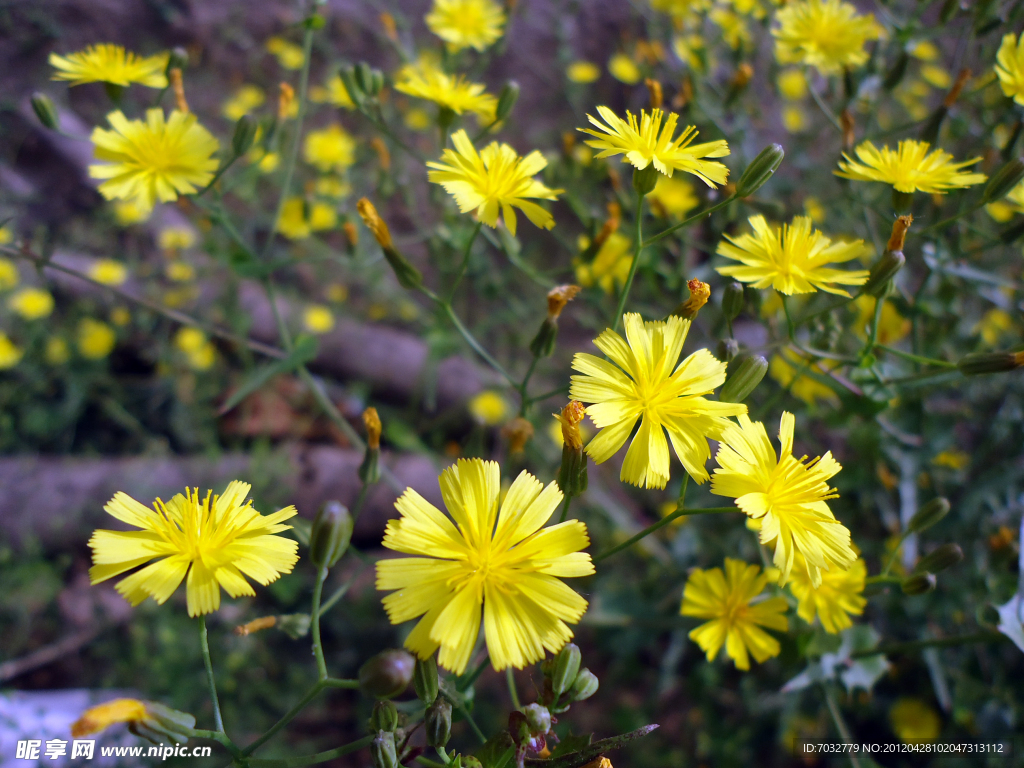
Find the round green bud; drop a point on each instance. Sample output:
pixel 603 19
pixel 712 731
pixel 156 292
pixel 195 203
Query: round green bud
pixel 295 625
pixel 882 272
pixel 585 685
pixel 45 111
pixel 1004 180
pixel 744 380
pixel 565 669
pixel 980 363
pixel 424 679
pixel 330 534
pixel 929 514
pixel 760 170
pixel 438 722
pixel 733 299
pixel 382 750
pixel 538 717
pixel 178 59
pixel 918 584
pixel 645 179
pixel 387 674
pixel 940 559
pixel 384 716
pixel 506 100
pixel 244 135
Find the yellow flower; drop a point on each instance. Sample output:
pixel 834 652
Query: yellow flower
pixel 489 408
pixel 10 354
pixel 416 119
pixel 690 50
pixel 794 119
pixel 647 142
pixel 267 162
pixel 892 326
pixel 555 430
pixel 318 319
pixel 96 339
pixel 734 28
pixel 494 561
pixel 294 223
pixel 31 303
pixel 814 209
pixel 217 541
pixel 835 600
pixel 426 80
pixel 924 50
pixel 993 325
pixel 937 76
pixel 8 274
pixel 955 460
pixel 1010 67
pixel 789 365
pixel 330 149
pixel 792 84
pixel 108 272
pixel 1004 210
pixel 288 55
pixel 198 351
pixel 99 718
pixel 914 721
pixel 582 72
pixel 56 351
pixel 681 9
pixel 155 159
pixel 176 238
pixel 336 292
pixel 791 258
pixel 109 63
pixel 786 496
pixel 332 186
pixel 826 34
pixel 180 272
pixel 333 93
pixel 494 180
pixel 672 198
pixel 466 23
pixel 910 168
pixel 6 235
pixel 243 101
pixel 120 316
pixel 735 620
pixel 624 69
pixel 610 266
pixel 128 212
pixel 648 385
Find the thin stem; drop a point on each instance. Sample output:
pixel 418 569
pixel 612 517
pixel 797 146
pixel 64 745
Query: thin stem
pixel 465 261
pixel 836 304
pixel 636 261
pixel 357 508
pixel 837 718
pixel 204 643
pixel 661 524
pixel 340 682
pixel 939 642
pixel 565 508
pixel 560 391
pixel 319 757
pixel 826 110
pixel 512 692
pixel 951 219
pixel 472 723
pixel 686 222
pixel 222 738
pixel 286 718
pixel 895 553
pixel 318 650
pixel 524 401
pixel 474 344
pixel 916 358
pixel 216 177
pixel 873 338
pixel 681 502
pixel 466 683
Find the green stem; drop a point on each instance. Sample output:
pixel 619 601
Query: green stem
pixel 565 509
pixel 474 344
pixel 339 593
pixel 942 642
pixel 837 718
pixel 318 650
pixel 686 222
pixel 883 579
pixel 951 219
pixel 467 682
pixel 873 338
pixel 826 110
pixel 465 261
pixel 835 304
pixel 661 524
pixel 357 508
pixel 635 263
pixel 552 393
pixel 222 738
pixel 204 643
pixel 472 723
pixel 895 553
pixel 216 177
pixel 340 682
pixel 319 757
pixel 524 401
pixel 512 692
pixel 916 358
pixel 286 718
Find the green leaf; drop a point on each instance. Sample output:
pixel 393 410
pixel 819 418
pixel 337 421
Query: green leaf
pixel 305 350
pixel 497 752
pixel 589 753
pixel 571 744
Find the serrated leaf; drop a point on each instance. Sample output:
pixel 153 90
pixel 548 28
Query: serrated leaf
pixel 305 350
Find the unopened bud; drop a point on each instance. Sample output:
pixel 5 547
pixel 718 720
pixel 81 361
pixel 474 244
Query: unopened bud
pixel 161 724
pixel 990 362
pixel 506 100
pixel 572 474
pixel 1004 180
pixel 645 180
pixel 178 87
pixel 438 722
pixel 285 100
pixel 891 261
pixel 699 295
pixel 918 584
pixel 244 135
pixel 330 534
pixel 566 668
pixel 42 105
pixel 351 234
pixel 348 79
pixel 374 223
pixel 940 559
pixel 538 717
pixel 295 625
pixel 558 297
pixel 382 750
pixel 371 420
pixel 585 686
pixel 657 96
pixel 364 78
pixel 384 716
pixel 424 679
pixel 177 59
pixel 929 514
pixel 387 674
pixel 517 432
pixel 256 625
pixel 760 170
pixel 744 380
pixel 383 153
pixel 732 301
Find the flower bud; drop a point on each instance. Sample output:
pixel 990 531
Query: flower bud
pixel 384 716
pixel 369 470
pixel 655 92
pixel 438 722
pixel 760 170
pixel 295 625
pixel 387 674
pixel 244 135
pixel 585 685
pixel 929 514
pixel 644 180
pixel 42 105
pixel 699 295
pixel 732 301
pixel 364 78
pixel 891 261
pixel 376 82
pixel 744 380
pixel 990 362
pixel 161 723
pixel 543 344
pixel 177 59
pixel 566 668
pixel 728 349
pixel 918 584
pixel 506 100
pixel 940 559
pixel 256 625
pixel 382 750
pixel 538 717
pixel 408 276
pixel 572 475
pixel 315 21
pixel 1004 180
pixel 424 679
pixel 558 297
pixel 348 79
pixel 330 534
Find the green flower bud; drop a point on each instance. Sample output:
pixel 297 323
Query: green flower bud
pixel 732 300
pixel 384 716
pixel 438 722
pixel 728 349
pixel 990 362
pixel 330 535
pixel 744 380
pixel 364 78
pixel 645 179
pixel 382 750
pixel 1004 180
pixel 295 625
pixel 178 59
pixel 929 514
pixel 940 559
pixel 543 343
pixel 245 134
pixel 538 717
pixel 918 584
pixel 348 78
pixel 566 667
pixel 315 21
pixel 387 674
pixel 424 679
pixel 760 170
pixel 585 685
pixel 572 474
pixel 161 723
pixel 376 82
pixel 882 272
pixel 506 100
pixel 45 111
pixel 408 276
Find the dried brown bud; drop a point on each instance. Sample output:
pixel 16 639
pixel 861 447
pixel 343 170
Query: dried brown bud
pixel 285 99
pixel 558 297
pixel 654 89
pixel 568 143
pixel 372 422
pixel 178 86
pixel 383 155
pixel 849 136
pixel 744 72
pixel 570 417
pixel 374 222
pixel 265 622
pixel 958 86
pixel 388 22
pixel 899 233
pixel 611 224
pixel 351 233
pixel 517 432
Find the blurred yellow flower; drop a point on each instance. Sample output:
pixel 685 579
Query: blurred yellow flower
pixel 993 325
pixel 8 274
pixel 294 223
pixel 624 69
pixel 108 272
pixel 672 197
pixel 109 63
pixel 925 50
pixel 735 31
pixel 838 597
pixel 176 238
pixel 955 460
pixel 288 55
pixel 814 209
pixel 466 23
pixel 336 292
pixel 582 72
pixel 243 101
pixel 936 76
pixel 318 319
pixel 179 271
pixel 333 93
pixel 426 80
pixel 794 119
pixel 332 186
pixel 910 168
pixel 120 316
pixel 826 34
pixel 10 355
pixel 6 235
pixel 681 9
pixel 330 149
pixel 914 721
pixel 95 339
pixel 690 50
pixel 610 267
pixel 1010 67
pixel 56 351
pixel 416 119
pixel 792 84
pixel 489 408
pixel 892 326
pixel 31 303
pixel 153 160
pixel 789 369
pixel 267 162
pixel 128 212
pixel 198 351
